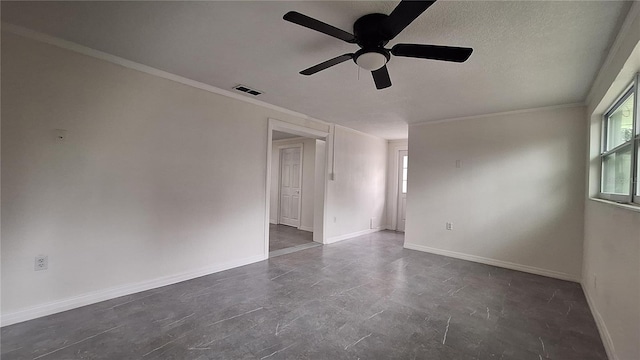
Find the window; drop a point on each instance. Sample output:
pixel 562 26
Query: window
pixel 405 163
pixel 620 156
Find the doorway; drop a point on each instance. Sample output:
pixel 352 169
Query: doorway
pixel 297 176
pixel 290 190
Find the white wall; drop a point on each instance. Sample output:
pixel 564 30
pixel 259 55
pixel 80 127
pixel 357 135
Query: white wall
pixel 611 277
pixel 319 190
pixel 357 193
pixel 515 201
pixel 611 271
pixel 308 180
pixel 394 146
pixel 156 182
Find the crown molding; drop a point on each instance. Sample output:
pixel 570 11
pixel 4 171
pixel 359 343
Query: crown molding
pixel 84 50
pixel 513 112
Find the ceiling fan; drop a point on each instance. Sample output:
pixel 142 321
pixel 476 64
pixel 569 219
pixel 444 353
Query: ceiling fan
pixel 371 33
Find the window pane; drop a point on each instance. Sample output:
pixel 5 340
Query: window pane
pixel 616 172
pixel 404 174
pixel 404 186
pixel 405 161
pixel 620 124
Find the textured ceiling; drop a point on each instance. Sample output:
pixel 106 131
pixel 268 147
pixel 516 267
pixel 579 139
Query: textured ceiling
pixel 526 54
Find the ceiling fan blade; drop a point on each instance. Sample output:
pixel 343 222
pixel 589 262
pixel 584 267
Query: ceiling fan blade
pixel 327 64
pixel 317 25
pixel 381 78
pixel 433 52
pixel 402 16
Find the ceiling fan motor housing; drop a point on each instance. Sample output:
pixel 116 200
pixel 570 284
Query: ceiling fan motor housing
pixel 369 31
pixel 369 34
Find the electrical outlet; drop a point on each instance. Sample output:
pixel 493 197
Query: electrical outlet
pixel 41 263
pixel 449 226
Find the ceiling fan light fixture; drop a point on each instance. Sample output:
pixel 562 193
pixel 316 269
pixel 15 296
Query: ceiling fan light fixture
pixel 372 60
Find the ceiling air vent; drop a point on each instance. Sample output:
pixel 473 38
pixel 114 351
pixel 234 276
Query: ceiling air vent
pixel 246 89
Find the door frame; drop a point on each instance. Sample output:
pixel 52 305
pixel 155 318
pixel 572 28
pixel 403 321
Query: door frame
pixel 278 206
pixel 303 131
pixel 399 169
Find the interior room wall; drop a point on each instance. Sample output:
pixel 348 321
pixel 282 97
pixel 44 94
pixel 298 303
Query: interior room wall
pixel 356 195
pixel 308 180
pixel 511 184
pixel 394 146
pixel 611 271
pixel 155 182
pixel 319 190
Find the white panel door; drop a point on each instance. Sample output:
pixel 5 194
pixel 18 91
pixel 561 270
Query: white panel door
pixel 290 185
pixel 403 162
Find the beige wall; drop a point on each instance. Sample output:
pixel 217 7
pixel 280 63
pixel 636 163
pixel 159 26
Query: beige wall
pixel 515 201
pixel 357 193
pixel 611 276
pixel 611 271
pixel 150 187
pixel 308 180
pixel 143 187
pixel 319 190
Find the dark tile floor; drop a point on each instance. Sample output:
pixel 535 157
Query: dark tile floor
pixel 365 298
pixel 283 236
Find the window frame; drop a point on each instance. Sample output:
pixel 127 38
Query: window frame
pixel 633 197
pixel 635 143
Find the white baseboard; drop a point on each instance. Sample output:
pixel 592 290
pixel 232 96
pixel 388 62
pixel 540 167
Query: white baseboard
pixel 306 228
pixel 494 262
pixel 334 239
pixel 111 293
pixel 602 327
pixel 273 221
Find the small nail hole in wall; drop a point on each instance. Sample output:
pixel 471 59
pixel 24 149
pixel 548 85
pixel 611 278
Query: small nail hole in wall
pixel 60 135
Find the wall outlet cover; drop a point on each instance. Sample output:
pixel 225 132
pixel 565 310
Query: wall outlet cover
pixel 41 263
